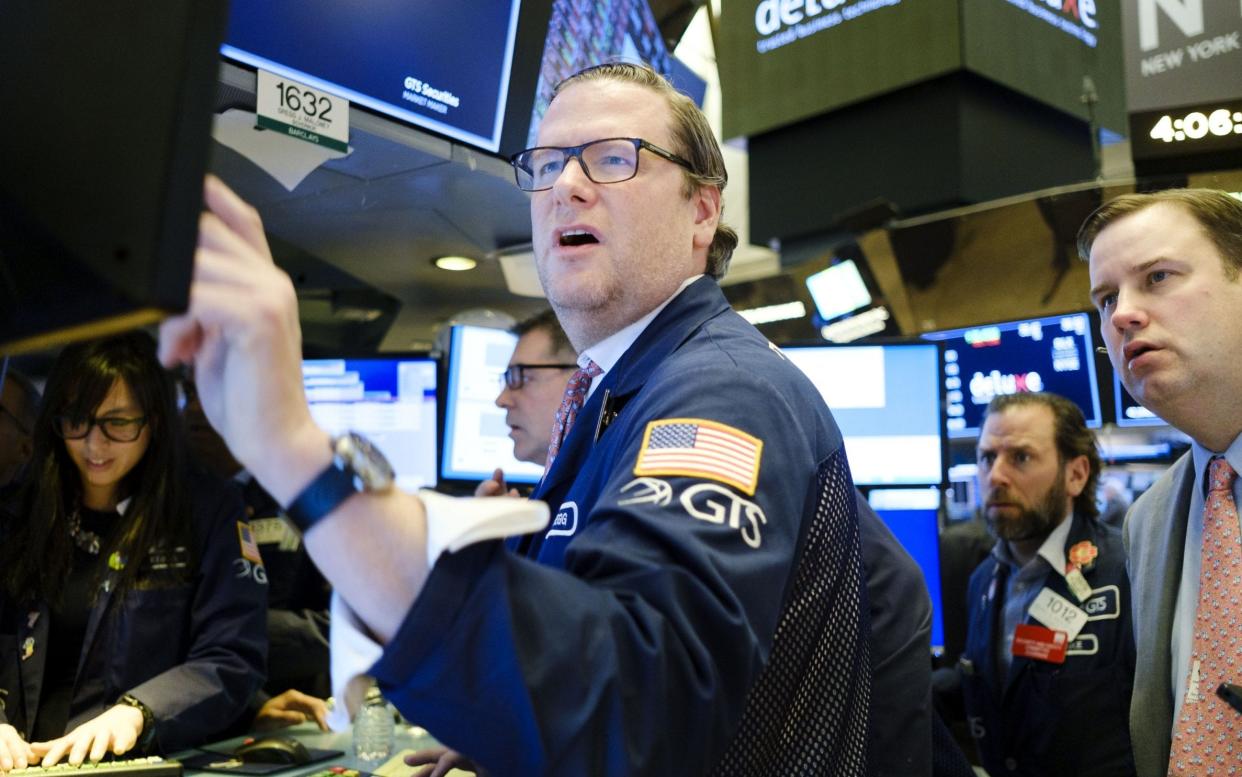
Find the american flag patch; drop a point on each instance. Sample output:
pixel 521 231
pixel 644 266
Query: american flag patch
pixel 695 447
pixel 249 548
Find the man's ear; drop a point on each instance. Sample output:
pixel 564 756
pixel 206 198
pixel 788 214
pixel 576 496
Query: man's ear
pixel 707 205
pixel 1077 472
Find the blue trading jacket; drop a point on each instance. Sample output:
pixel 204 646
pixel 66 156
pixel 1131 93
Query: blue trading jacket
pixel 624 640
pixel 192 653
pixel 1064 719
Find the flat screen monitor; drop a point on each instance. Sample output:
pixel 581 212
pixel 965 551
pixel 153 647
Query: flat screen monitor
pixel 912 516
pixel 584 34
pixel 886 400
pixel 476 438
pixel 838 289
pixel 107 119
pixel 442 66
pixel 1129 411
pixel 1054 354
pixel 390 399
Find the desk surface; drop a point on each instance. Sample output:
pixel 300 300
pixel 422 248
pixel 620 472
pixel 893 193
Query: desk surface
pixel 406 738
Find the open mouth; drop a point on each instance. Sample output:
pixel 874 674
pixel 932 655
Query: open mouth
pixel 576 237
pixel 1135 350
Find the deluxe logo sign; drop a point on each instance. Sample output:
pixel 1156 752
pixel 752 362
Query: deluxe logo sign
pixel 781 22
pixel 1074 17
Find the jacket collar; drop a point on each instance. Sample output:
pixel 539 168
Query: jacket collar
pixel 676 323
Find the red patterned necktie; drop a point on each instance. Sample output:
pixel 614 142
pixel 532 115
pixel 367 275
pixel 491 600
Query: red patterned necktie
pixel 1207 738
pixel 571 403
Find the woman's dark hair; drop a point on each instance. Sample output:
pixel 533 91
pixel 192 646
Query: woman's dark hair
pixel 37 551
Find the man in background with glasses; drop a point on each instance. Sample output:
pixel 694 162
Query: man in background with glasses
pixel 534 382
pixel 696 603
pixel 19 406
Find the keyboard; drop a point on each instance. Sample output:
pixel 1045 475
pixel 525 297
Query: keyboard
pixel 152 766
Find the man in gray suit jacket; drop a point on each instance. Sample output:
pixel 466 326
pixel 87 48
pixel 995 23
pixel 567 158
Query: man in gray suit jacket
pixel 1165 277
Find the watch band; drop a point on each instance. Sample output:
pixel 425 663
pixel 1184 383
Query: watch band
pixel 147 735
pixel 324 494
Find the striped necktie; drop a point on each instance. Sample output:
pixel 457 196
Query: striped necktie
pixel 1207 737
pixel 571 403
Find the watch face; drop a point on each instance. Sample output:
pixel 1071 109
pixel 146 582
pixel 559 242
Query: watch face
pixel 365 460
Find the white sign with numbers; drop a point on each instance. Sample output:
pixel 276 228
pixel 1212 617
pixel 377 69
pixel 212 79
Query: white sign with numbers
pixel 302 111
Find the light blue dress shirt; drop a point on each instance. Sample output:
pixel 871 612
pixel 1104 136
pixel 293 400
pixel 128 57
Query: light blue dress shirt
pixel 1023 584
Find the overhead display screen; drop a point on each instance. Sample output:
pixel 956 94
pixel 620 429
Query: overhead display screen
pixel 1045 48
pixel 838 289
pixel 584 34
pixel 782 61
pixel 786 60
pixel 440 66
pixel 886 401
pixel 1044 354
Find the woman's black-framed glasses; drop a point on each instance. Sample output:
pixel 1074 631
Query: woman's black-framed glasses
pixel 514 376
pixel 115 428
pixel 608 160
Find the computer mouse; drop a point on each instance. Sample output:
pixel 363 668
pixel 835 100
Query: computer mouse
pixel 273 750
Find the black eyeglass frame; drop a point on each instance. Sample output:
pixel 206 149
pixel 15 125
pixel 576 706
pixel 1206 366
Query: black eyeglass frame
pixel 519 369
pixel 575 152
pixel 60 421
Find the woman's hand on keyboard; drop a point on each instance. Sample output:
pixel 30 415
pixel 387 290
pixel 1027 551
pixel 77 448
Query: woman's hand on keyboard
pixel 114 731
pixel 15 753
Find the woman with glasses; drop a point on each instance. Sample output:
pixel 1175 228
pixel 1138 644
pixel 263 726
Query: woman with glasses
pixel 134 599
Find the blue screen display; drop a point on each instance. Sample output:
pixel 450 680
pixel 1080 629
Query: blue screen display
pixel 1054 354
pixel 1129 411
pixel 391 400
pixel 476 437
pixel 886 400
pixel 911 515
pixel 442 66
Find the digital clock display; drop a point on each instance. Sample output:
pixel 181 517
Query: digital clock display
pixel 1197 125
pixel 1213 128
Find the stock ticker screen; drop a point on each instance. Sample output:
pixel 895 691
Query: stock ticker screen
pixel 1054 354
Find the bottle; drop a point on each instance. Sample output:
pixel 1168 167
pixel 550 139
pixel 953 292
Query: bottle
pixel 373 729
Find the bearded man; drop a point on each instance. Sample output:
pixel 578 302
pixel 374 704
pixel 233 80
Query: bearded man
pixel 1049 661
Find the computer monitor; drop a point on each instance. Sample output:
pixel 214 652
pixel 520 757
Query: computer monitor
pixel 442 66
pixel 476 438
pixel 1054 354
pixel 886 400
pixel 584 34
pixel 107 119
pixel 912 514
pixel 1129 411
pixel 838 289
pixel 390 399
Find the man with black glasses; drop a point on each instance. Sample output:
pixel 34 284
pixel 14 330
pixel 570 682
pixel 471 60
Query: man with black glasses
pixel 696 603
pixel 534 382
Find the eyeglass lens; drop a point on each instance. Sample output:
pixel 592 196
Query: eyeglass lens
pixel 115 429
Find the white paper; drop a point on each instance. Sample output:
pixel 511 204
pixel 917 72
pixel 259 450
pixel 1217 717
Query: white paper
pixel 286 159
